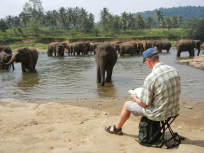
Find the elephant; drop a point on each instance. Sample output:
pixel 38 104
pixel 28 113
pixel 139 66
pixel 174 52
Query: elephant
pixel 5 58
pixel 57 48
pixel 147 44
pixel 79 47
pixel 140 47
pixel 70 50
pixel 134 45
pixel 187 45
pixel 115 45
pixel 165 45
pixel 6 49
pixel 105 57
pixel 93 46
pixel 126 48
pixel 203 45
pixel 27 56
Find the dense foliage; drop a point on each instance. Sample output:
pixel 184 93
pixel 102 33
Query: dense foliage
pixel 76 22
pixel 185 11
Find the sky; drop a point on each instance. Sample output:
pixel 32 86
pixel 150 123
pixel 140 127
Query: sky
pixel 115 7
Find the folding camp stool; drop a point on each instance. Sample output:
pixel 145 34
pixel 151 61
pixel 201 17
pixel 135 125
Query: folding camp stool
pixel 174 136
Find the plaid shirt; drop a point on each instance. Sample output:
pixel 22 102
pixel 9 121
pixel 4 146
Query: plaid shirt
pixel 161 91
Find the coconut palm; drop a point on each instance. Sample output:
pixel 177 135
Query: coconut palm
pixel 168 23
pixel 159 17
pixel 124 17
pixel 9 21
pixel 139 22
pixel 104 16
pixel 24 17
pixel 149 22
pixel 63 18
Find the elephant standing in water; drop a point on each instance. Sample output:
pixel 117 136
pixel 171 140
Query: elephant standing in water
pixel 57 48
pixel 126 48
pixel 165 45
pixel 27 56
pixel 187 45
pixel 105 58
pixel 5 56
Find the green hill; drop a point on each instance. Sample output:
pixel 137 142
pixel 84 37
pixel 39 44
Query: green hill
pixel 185 11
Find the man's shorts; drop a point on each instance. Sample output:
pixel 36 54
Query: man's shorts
pixel 135 108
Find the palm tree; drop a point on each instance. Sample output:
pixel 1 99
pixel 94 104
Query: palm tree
pixel 174 21
pixel 124 17
pixel 131 21
pixel 180 20
pixel 104 16
pixel 63 18
pixel 9 21
pixel 159 17
pixel 55 16
pixel 149 22
pixel 139 22
pixel 70 17
pixel 168 23
pixel 24 19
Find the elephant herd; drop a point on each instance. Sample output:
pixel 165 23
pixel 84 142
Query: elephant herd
pixel 105 53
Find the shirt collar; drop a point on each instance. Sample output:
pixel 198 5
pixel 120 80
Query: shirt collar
pixel 157 65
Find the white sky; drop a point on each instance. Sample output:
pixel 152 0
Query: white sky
pixel 115 7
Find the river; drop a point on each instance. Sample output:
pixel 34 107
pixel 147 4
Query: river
pixel 73 77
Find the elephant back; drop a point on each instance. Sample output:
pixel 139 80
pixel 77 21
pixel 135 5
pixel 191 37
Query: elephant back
pixel 6 49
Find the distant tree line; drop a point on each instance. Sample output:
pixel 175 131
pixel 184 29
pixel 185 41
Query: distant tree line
pixel 33 17
pixel 186 12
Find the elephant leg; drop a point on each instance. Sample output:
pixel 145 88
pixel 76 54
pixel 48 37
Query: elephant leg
pixel 23 67
pixel 109 74
pixel 178 53
pixel 98 74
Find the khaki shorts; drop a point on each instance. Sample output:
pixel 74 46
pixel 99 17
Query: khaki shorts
pixel 134 108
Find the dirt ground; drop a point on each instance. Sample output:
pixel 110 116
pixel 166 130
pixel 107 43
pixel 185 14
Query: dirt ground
pixel 39 126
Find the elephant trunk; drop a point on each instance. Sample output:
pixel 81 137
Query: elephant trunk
pixel 13 58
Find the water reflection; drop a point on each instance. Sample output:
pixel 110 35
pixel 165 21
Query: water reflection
pixel 27 81
pixel 108 90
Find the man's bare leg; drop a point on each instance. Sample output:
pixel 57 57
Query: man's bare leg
pixel 124 115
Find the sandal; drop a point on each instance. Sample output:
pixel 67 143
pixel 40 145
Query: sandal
pixel 115 130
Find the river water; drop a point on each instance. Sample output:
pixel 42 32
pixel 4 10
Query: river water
pixel 73 77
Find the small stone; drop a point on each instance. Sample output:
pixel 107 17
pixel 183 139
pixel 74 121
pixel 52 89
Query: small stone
pixel 189 107
pixel 179 127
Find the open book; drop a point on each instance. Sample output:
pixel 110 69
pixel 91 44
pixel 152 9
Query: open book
pixel 138 91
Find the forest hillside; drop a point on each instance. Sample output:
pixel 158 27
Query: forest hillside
pixel 185 11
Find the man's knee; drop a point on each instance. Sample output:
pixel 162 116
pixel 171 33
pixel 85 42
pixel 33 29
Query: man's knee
pixel 125 105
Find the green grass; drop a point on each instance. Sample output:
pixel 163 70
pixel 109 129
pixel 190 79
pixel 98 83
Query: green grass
pixel 15 40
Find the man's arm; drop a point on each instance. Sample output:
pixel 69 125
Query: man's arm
pixel 134 96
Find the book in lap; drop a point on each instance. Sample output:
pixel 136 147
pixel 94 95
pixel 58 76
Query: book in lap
pixel 138 91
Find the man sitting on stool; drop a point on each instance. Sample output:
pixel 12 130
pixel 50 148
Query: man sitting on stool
pixel 160 94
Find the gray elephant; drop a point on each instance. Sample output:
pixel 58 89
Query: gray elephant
pixel 147 44
pixel 93 46
pixel 162 45
pixel 187 45
pixel 79 47
pixel 115 45
pixel 27 56
pixel 5 58
pixel 6 49
pixel 134 45
pixel 105 58
pixel 126 48
pixel 56 48
pixel 140 48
